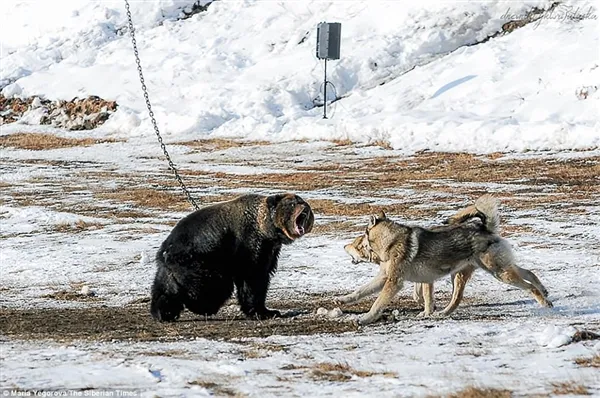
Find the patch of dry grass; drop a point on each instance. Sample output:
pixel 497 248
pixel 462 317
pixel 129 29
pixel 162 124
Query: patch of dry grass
pixel 219 144
pixel 335 208
pixel 342 372
pixel 78 226
pixel 335 227
pixel 166 353
pixel 383 144
pixel 335 372
pixel 342 142
pixel 215 388
pixel 478 392
pixel 591 362
pixel 147 197
pixel 67 295
pixel 569 388
pixel 261 349
pixel 41 141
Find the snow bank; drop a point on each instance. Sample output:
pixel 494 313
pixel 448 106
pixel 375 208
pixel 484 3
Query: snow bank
pixel 248 69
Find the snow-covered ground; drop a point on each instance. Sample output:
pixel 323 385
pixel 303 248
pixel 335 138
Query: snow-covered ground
pixel 411 76
pixel 248 69
pixel 498 338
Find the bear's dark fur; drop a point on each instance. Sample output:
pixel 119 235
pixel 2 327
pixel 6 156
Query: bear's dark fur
pixel 219 246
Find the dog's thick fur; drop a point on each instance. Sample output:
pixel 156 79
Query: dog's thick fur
pixel 219 246
pixel 424 248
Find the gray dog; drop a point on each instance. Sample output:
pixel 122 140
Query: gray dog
pixel 424 255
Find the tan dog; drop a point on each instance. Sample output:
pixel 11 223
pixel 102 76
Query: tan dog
pixel 496 258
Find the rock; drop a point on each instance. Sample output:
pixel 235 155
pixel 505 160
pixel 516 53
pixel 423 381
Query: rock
pixel 335 313
pixel 36 103
pixel 86 291
pixel 322 311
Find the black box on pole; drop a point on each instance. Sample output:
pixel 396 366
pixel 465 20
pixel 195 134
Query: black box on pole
pixel 328 40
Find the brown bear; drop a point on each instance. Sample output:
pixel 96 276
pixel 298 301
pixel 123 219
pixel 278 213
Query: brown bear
pixel 226 244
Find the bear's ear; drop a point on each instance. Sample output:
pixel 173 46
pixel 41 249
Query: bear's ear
pixel 274 200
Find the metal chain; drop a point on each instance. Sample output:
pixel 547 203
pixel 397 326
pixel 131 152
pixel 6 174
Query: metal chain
pixel 151 114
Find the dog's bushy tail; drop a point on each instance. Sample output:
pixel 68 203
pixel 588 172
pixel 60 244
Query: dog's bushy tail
pixel 487 206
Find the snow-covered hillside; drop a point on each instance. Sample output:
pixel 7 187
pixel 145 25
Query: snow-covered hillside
pixel 409 73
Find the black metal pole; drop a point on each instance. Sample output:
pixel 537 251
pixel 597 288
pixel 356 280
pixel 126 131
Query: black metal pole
pixel 325 92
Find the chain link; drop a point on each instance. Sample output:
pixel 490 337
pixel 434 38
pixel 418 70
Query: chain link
pixel 151 113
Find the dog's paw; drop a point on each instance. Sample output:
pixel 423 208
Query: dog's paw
pixel 424 314
pixel 441 314
pixel 344 299
pixel 366 319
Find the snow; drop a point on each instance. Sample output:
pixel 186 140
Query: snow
pixel 426 355
pixel 248 69
pixel 425 358
pixel 411 75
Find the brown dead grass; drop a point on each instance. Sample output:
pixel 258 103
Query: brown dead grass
pixel 215 388
pixel 478 392
pixel 40 141
pixel 219 144
pixel 69 295
pixel 261 349
pixel 342 372
pixel 342 142
pixel 463 167
pixel 335 208
pixel 335 372
pixel 147 197
pixel 166 353
pixel 78 226
pixel 569 388
pixel 335 226
pixel 440 172
pixel 592 362
pixel 383 144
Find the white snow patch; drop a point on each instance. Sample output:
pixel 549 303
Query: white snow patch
pixel 555 336
pixel 249 70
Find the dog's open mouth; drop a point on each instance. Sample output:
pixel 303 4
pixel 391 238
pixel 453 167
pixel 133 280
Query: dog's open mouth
pixel 301 222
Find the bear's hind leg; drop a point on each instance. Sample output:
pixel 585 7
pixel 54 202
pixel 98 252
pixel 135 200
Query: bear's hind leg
pixel 207 291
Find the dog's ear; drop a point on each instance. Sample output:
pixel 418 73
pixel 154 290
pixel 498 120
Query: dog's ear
pixel 372 221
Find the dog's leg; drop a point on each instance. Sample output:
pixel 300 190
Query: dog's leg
pixel 428 298
pixel 512 277
pixel 374 286
pixel 531 278
pixel 418 293
pixel 393 284
pixel 459 282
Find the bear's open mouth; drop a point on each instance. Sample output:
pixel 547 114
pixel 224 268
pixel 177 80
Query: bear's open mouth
pixel 301 221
